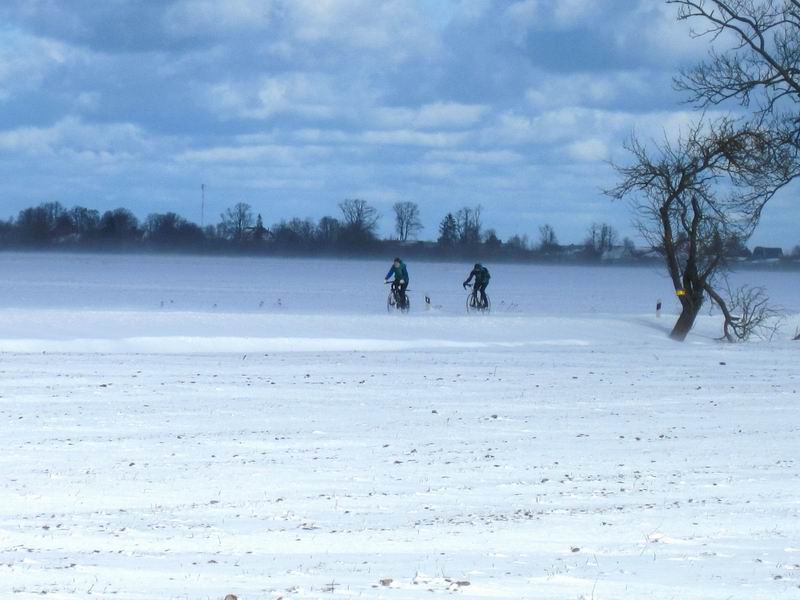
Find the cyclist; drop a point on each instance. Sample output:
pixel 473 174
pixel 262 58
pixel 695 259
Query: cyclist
pixel 400 283
pixel 482 277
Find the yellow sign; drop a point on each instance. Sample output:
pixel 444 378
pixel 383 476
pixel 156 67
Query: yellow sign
pixel 680 293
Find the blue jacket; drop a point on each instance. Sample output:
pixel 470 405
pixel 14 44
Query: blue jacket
pixel 399 272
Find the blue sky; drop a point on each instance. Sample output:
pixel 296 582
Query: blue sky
pixel 294 105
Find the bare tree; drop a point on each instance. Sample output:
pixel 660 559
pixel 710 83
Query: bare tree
pixel 692 195
pixel 170 229
pixel 328 230
pixel 491 241
pixel 469 224
pixel 358 213
pixel 360 222
pixel 762 69
pixel 119 224
pixel 547 238
pixel 40 223
pixel 600 238
pixel 406 220
pixel 85 220
pixel 518 243
pixel 235 221
pixel 629 246
pixel 296 232
pixel 748 312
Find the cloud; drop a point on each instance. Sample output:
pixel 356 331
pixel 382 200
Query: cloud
pixel 118 26
pixel 489 157
pixel 26 61
pixel 73 139
pixel 383 137
pixel 309 95
pixel 408 137
pixel 568 13
pixel 263 153
pixel 209 17
pixel 654 29
pixel 431 116
pixel 560 14
pixel 586 89
pixel 293 104
pixel 394 27
pixel 588 150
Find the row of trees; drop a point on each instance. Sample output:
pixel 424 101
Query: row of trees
pixel 240 228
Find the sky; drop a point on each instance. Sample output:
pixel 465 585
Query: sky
pixel 295 105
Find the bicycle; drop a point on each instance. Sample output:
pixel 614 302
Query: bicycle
pixel 395 301
pixel 475 303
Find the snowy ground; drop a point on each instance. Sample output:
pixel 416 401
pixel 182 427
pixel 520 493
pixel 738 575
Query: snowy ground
pixel 317 447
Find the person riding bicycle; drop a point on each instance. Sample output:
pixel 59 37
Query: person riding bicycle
pixel 400 283
pixel 482 277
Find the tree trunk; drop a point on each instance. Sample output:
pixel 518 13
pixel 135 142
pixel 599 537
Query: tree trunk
pixel 691 308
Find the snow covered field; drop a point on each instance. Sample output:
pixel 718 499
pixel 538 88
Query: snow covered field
pixel 270 431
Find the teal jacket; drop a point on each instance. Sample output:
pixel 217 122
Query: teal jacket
pixel 399 272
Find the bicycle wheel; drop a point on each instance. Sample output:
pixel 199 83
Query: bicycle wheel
pixel 390 302
pixel 406 304
pixel 472 303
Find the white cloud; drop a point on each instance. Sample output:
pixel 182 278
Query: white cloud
pixel 72 138
pixel 488 157
pixel 25 61
pixel 653 28
pixel 431 116
pixel 470 10
pixel 190 17
pixel 269 153
pixel 567 13
pixel 566 125
pixel 392 26
pixel 408 137
pixel 588 150
pixel 305 94
pixel 387 137
pixel 525 15
pixel 585 89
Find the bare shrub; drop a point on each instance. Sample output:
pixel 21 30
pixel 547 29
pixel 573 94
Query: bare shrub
pixel 748 313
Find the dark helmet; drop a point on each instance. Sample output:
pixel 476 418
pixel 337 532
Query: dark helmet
pixel 478 265
pixel 397 259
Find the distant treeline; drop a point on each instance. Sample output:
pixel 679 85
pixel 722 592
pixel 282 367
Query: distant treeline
pixel 460 235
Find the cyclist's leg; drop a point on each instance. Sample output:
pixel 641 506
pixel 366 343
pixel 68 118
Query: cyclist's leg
pixel 482 289
pixel 402 294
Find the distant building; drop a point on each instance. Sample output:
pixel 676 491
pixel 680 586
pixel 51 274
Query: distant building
pixel 649 253
pixel 618 253
pixel 764 253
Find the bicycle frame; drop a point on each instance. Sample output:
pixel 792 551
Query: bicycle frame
pixel 474 303
pixel 395 301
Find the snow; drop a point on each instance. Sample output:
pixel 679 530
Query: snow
pixel 318 447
